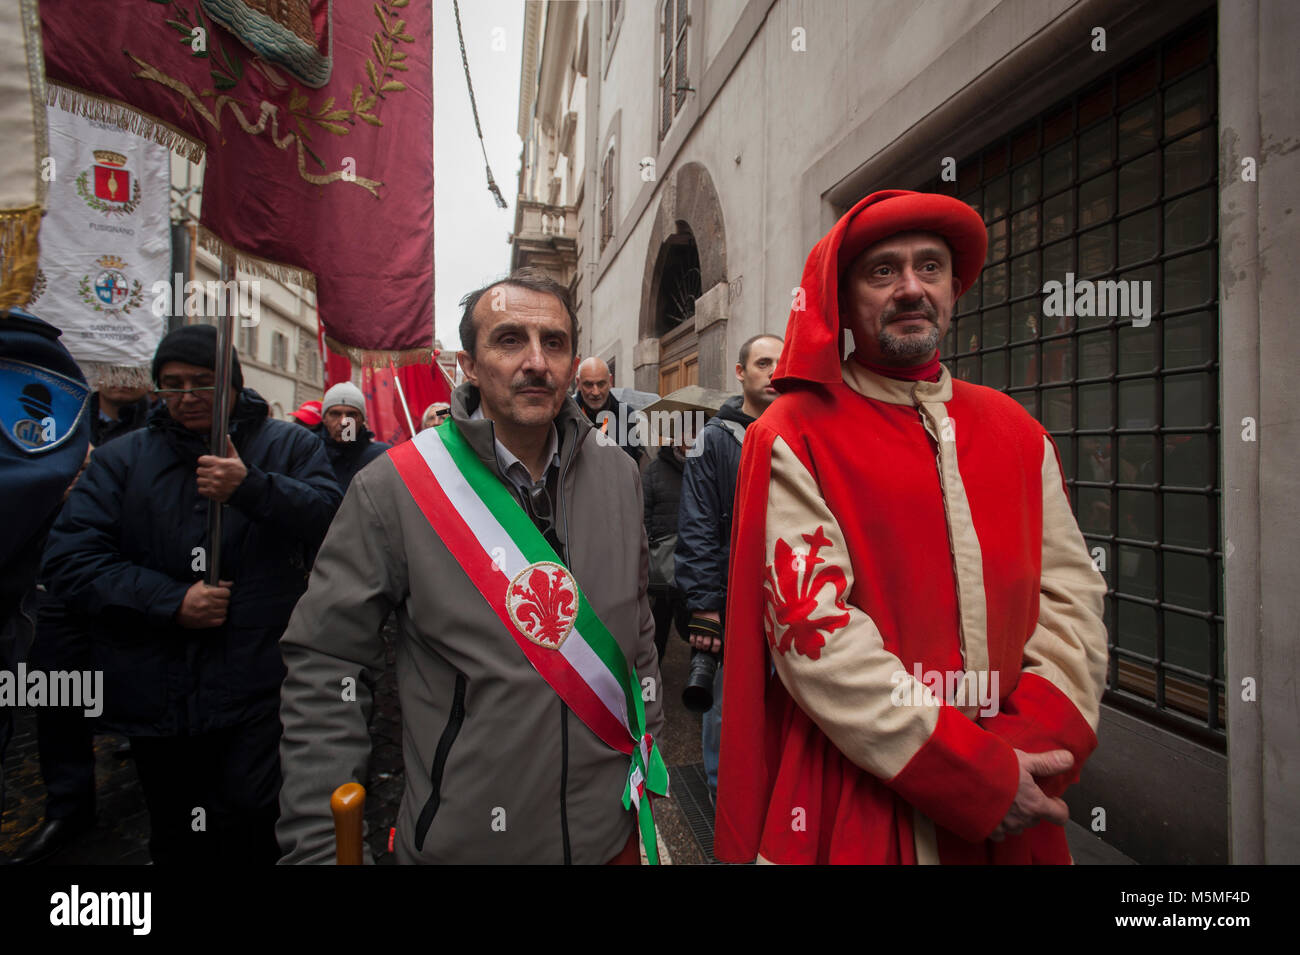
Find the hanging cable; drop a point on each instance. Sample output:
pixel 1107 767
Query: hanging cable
pixel 492 185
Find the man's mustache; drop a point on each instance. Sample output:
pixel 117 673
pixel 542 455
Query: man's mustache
pixel 924 307
pixel 529 383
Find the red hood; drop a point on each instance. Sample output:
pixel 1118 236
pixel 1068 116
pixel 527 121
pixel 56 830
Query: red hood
pixel 813 336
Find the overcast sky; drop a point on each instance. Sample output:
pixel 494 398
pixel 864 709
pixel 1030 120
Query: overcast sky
pixel 470 230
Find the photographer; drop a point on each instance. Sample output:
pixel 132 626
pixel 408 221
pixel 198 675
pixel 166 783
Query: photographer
pixel 704 534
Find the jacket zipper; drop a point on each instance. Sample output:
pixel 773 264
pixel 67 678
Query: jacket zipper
pixel 449 733
pixel 564 709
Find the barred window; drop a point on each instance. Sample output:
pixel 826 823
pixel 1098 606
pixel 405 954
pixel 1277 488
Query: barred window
pixel 1119 184
pixel 673 85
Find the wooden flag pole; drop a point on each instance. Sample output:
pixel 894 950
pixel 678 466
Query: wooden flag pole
pixel 348 804
pixel 220 414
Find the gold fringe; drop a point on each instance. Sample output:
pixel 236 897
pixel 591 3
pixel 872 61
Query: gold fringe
pixel 256 265
pixel 293 275
pixel 20 250
pixel 369 358
pixel 102 375
pixel 93 106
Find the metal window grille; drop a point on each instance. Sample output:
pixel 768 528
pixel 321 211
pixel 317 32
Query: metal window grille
pixel 1119 182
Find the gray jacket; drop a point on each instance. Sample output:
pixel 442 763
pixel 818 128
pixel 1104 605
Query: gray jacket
pixel 497 769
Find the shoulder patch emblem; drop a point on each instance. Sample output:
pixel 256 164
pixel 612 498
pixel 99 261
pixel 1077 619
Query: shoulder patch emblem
pixel 39 409
pixel 791 588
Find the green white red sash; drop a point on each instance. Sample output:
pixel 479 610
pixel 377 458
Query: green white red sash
pixel 537 600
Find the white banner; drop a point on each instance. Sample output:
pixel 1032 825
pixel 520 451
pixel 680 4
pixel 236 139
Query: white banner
pixel 105 241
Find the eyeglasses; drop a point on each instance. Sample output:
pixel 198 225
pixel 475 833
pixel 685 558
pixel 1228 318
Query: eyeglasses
pixel 537 504
pixel 199 392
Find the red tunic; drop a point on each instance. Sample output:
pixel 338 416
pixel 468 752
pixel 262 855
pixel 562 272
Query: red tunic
pixel 889 585
pixel 910 599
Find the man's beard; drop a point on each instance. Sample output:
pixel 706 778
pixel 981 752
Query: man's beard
pixel 910 347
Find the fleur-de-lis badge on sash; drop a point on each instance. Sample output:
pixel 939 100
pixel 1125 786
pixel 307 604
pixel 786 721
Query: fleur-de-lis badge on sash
pixel 543 603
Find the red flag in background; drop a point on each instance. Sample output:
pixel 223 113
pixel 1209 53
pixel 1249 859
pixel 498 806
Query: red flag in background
pixel 422 386
pixel 337 367
pixel 316 124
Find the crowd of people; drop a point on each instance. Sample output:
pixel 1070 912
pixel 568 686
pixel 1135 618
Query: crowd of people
pixel 839 529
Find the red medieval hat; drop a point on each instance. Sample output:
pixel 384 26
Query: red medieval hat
pixel 309 413
pixel 813 336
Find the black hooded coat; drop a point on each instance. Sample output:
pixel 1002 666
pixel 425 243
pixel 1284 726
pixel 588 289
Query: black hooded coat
pixel 126 548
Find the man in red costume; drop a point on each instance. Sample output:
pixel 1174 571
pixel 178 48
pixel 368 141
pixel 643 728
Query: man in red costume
pixel 916 650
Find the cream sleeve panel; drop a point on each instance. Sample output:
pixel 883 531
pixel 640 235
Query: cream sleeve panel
pixel 828 652
pixel 1068 646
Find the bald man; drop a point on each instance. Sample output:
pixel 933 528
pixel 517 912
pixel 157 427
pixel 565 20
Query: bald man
pixel 605 411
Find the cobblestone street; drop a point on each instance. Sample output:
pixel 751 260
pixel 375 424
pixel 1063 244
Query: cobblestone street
pixel 121 833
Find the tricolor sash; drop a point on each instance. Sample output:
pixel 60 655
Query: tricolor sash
pixel 537 600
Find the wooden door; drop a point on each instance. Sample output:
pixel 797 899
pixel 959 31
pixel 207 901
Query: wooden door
pixel 678 374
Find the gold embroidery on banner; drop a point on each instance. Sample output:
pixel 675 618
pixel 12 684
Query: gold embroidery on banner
pixel 268 110
pixel 227 71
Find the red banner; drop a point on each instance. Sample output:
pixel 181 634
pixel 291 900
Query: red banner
pixel 421 384
pixel 337 367
pixel 333 179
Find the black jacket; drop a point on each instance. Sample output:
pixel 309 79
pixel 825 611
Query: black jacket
pixel 33 483
pixel 704 519
pixel 349 457
pixel 662 487
pixel 611 426
pixel 129 418
pixel 123 550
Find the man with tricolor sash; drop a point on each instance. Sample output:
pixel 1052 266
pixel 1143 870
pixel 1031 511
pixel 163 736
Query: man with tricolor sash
pixel 526 665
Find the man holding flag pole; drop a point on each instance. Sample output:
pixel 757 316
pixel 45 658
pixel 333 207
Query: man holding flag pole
pixel 526 664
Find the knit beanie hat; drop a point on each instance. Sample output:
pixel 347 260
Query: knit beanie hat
pixel 344 393
pixel 195 345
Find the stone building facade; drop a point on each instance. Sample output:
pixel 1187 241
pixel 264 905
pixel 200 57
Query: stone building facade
pixel 1101 140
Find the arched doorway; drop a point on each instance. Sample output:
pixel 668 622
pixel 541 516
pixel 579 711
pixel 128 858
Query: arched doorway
pixel 681 335
pixel 674 316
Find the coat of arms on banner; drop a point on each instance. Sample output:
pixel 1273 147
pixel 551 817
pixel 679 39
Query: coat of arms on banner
pixel 543 603
pixel 110 291
pixel 39 408
pixel 115 191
